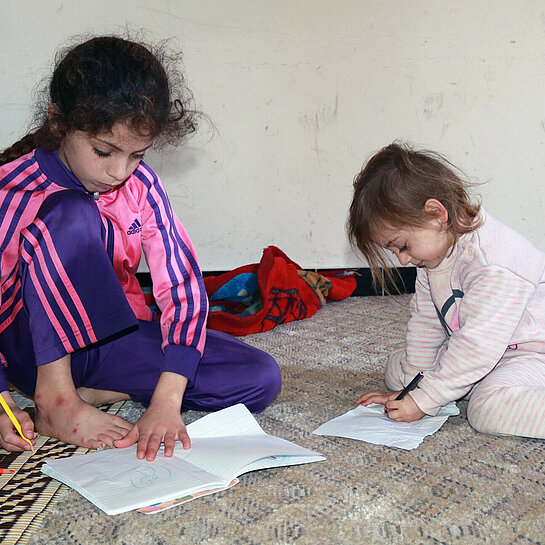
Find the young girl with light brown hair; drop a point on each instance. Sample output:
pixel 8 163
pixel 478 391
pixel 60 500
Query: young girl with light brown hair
pixel 477 324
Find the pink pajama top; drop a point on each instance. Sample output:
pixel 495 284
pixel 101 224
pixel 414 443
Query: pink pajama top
pixel 485 302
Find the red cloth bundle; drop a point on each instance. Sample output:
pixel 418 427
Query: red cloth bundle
pixel 257 297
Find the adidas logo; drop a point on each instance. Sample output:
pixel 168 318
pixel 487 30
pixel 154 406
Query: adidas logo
pixel 134 228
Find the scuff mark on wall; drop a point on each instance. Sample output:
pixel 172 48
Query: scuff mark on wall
pixel 432 104
pixel 319 119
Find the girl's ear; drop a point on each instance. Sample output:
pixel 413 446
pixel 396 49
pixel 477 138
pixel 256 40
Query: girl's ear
pixel 435 209
pixel 53 115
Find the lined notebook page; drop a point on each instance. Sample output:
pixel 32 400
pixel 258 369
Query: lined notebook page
pixel 227 457
pixel 116 481
pixel 224 445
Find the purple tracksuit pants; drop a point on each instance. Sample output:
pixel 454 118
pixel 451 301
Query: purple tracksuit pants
pixel 127 358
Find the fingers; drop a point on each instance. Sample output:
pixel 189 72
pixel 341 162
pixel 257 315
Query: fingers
pixel 404 410
pixel 396 408
pixel 10 440
pixel 15 444
pixel 373 397
pixel 28 429
pixel 363 399
pixel 169 441
pixel 148 447
pixel 186 442
pixel 393 412
pixel 398 415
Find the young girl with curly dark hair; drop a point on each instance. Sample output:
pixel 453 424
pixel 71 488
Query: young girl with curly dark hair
pixel 78 206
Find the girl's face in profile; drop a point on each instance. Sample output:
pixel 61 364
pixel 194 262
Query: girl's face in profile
pixel 103 161
pixel 422 246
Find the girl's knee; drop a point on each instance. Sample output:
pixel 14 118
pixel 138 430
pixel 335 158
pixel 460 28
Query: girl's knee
pixel 393 373
pixel 475 413
pixel 266 382
pixel 494 410
pixel 233 372
pixel 72 212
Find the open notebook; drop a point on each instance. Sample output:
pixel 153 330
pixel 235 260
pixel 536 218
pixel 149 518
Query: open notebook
pixel 224 445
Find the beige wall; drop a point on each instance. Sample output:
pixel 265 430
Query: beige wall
pixel 301 92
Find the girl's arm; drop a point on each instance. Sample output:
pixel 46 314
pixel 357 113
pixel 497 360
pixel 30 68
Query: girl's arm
pixel 178 286
pixel 492 306
pixel 179 292
pixel 426 337
pixel 425 341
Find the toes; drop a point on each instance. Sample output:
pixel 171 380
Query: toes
pixel 122 423
pixel 105 440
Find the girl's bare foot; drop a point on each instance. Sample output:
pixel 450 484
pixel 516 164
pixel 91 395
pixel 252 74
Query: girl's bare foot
pixel 62 413
pixel 72 420
pixel 101 397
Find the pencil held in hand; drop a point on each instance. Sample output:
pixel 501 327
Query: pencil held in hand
pixel 411 386
pixel 15 422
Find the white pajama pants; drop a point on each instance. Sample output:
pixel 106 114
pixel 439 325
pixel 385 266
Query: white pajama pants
pixel 510 400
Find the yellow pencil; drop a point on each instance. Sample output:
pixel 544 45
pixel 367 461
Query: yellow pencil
pixel 15 421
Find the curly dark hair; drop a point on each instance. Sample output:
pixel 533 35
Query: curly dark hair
pixel 106 80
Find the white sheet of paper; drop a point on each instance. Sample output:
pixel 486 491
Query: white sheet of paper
pixel 235 420
pixel 370 424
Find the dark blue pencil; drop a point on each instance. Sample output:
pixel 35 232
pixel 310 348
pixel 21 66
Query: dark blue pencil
pixel 411 386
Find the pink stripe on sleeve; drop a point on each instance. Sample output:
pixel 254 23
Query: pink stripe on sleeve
pixel 13 279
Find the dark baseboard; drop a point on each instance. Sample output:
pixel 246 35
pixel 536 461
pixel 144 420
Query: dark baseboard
pixel 405 277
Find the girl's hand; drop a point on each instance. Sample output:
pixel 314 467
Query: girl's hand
pixel 157 425
pixel 375 397
pixel 162 422
pixel 404 410
pixel 10 440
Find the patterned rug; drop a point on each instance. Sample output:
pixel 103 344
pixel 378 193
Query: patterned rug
pixel 458 487
pixel 27 493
